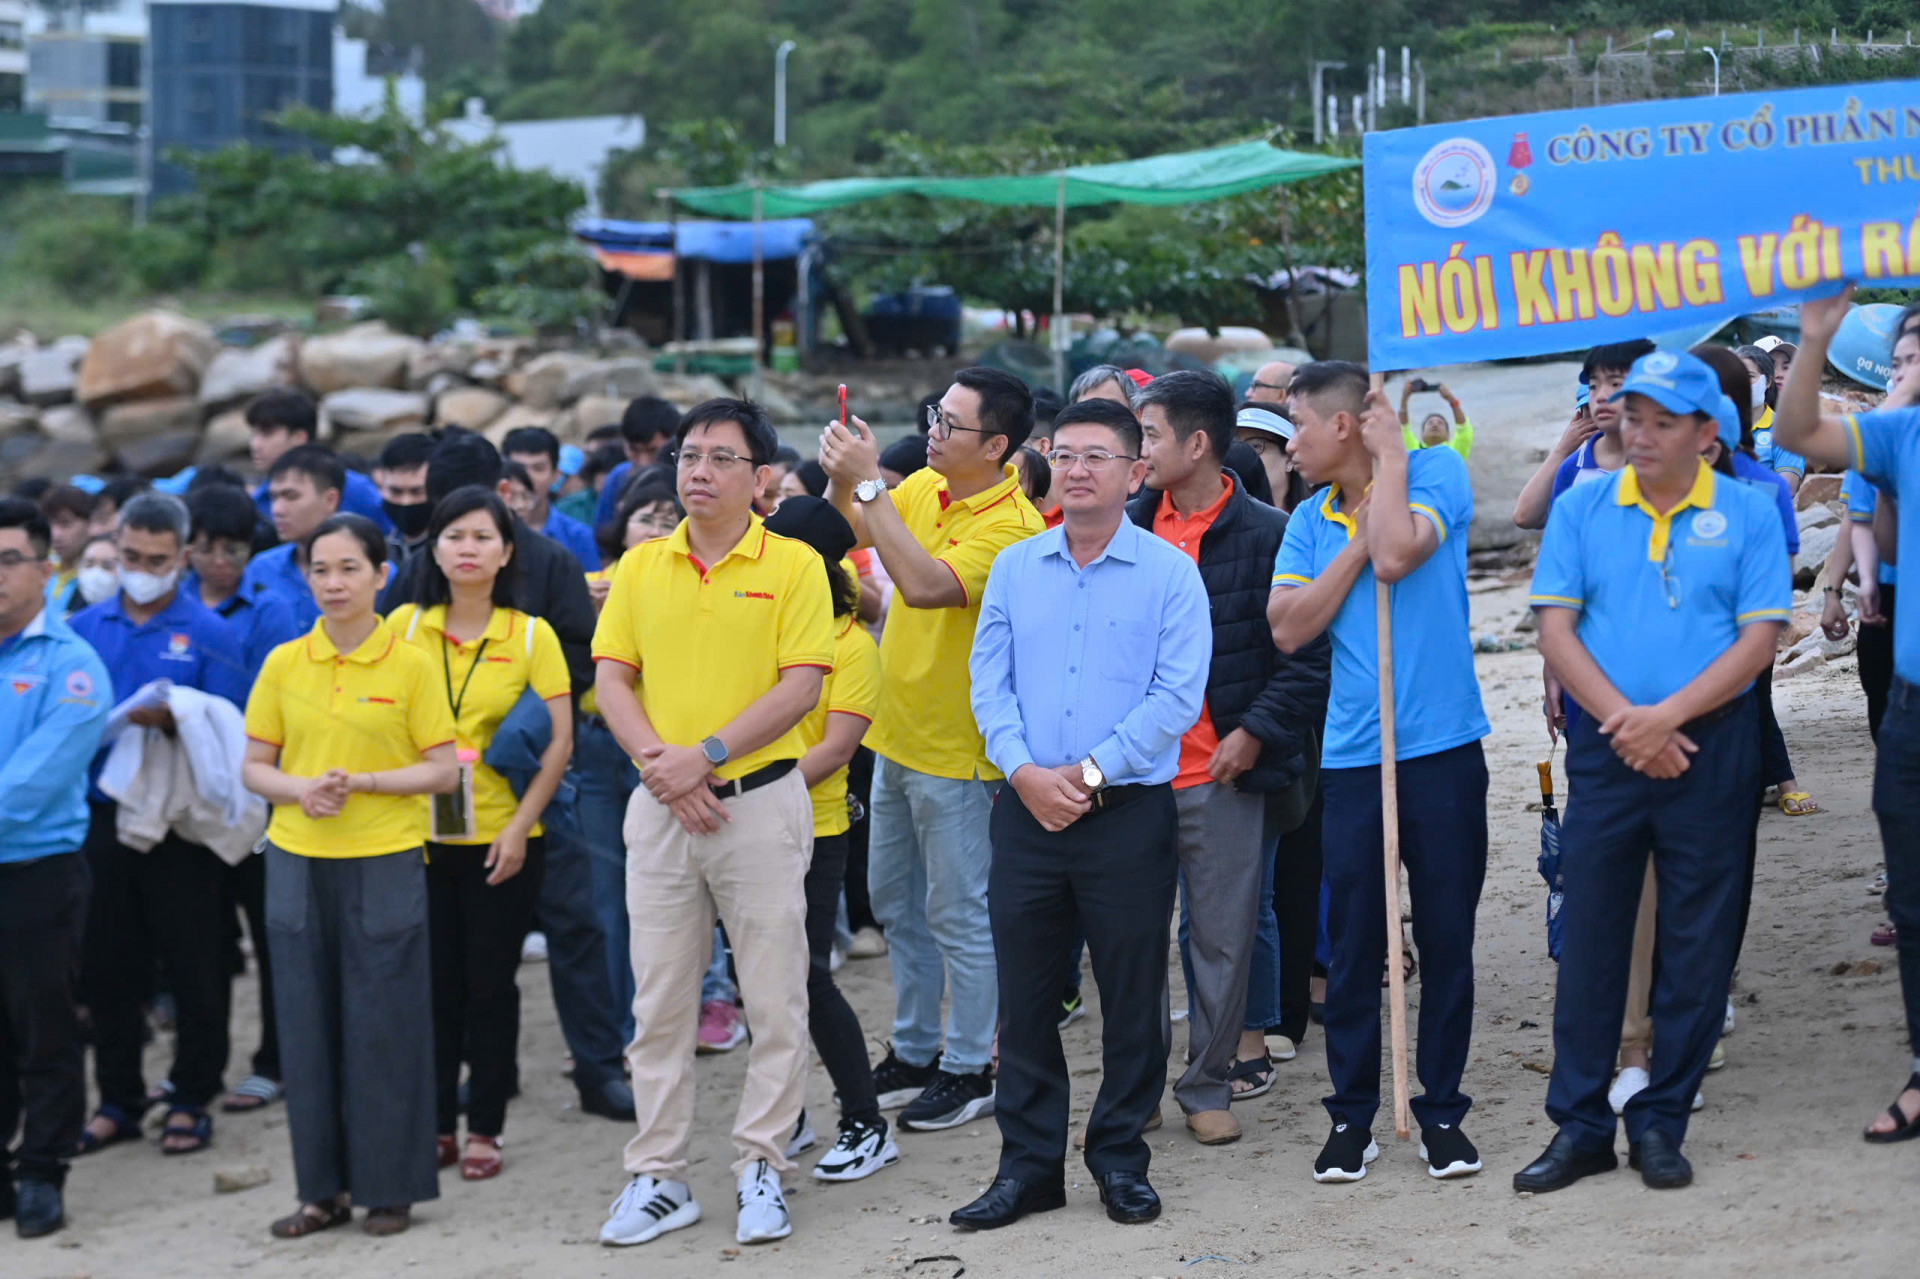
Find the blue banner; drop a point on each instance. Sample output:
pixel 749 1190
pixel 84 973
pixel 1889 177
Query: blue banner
pixel 1532 234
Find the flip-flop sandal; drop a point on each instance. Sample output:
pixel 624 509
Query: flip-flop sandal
pixel 199 1131
pixel 124 1129
pixel 1797 803
pixel 311 1220
pixel 1259 1070
pixel 1904 1129
pixel 255 1092
pixel 1885 935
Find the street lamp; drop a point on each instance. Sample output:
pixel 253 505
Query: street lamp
pixel 1664 33
pixel 1714 53
pixel 1320 102
pixel 780 92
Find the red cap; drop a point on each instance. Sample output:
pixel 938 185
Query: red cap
pixel 1140 376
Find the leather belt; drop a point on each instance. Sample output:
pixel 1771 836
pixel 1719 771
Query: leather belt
pixel 1115 796
pixel 755 780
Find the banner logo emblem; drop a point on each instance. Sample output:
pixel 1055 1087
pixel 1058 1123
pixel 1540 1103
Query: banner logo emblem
pixel 1454 182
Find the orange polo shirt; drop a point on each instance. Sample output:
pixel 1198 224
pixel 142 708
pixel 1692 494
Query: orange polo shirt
pixel 1198 743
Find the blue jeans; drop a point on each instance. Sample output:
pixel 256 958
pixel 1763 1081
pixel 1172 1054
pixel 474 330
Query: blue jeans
pixel 604 779
pixel 927 863
pixel 717 982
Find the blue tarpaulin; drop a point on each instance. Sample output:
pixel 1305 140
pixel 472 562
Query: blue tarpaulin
pixel 730 242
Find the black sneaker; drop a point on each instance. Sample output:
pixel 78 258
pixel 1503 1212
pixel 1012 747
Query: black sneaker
pixel 899 1082
pixel 949 1101
pixel 1448 1152
pixel 1346 1155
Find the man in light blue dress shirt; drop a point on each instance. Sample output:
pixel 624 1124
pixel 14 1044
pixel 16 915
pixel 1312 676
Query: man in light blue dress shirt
pixel 1089 663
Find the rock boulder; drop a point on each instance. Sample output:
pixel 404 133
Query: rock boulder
pixel 47 376
pixel 366 355
pixel 368 408
pixel 543 382
pixel 153 355
pixel 236 375
pixel 473 407
pixel 1817 488
pixel 141 419
pixel 224 440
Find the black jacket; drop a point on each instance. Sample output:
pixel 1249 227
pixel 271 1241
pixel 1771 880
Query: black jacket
pixel 548 583
pixel 1280 700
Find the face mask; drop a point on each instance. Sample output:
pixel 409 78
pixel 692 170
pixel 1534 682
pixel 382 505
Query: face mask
pixel 97 584
pixel 1759 394
pixel 409 520
pixel 145 588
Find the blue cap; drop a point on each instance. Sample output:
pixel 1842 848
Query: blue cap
pixel 176 484
pixel 1728 418
pixel 1581 396
pixel 572 458
pixel 1676 381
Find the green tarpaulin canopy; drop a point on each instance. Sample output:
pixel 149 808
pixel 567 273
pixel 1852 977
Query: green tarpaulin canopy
pixel 1183 177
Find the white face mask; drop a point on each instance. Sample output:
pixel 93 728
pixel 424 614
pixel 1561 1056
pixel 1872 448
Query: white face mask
pixel 1759 394
pixel 145 588
pixel 97 583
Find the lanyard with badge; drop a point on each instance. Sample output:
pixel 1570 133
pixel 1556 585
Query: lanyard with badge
pixel 453 816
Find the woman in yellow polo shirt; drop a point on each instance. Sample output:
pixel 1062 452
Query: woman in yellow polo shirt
pixel 831 734
pixel 485 849
pixel 347 729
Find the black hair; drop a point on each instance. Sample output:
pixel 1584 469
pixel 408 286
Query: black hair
pixel 1006 405
pixel 1764 363
pixel 209 476
pixel 434 587
pixel 461 459
pixel 762 441
pixel 786 455
pixel 1249 470
pixel 905 455
pixel 1039 470
pixel 32 490
pixel 1734 384
pixel 841 584
pixel 373 543
pixel 1193 400
pixel 647 419
pixel 315 461
pixel 407 452
pixel 600 460
pixel 926 402
pixel 813 477
pixel 605 433
pixel 1341 382
pixel 223 511
pixel 121 491
pixel 612 536
pixel 1614 357
pixel 1117 418
pixel 532 439
pixel 65 500
pixel 516 473
pixel 1909 318
pixel 1046 403
pixel 18 512
pixel 283 409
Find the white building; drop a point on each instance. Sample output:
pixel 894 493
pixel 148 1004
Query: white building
pixel 576 149
pixel 359 87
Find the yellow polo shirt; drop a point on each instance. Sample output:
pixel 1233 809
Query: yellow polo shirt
pixel 926 718
pixel 853 688
pixel 377 708
pixel 709 641
pixel 520 652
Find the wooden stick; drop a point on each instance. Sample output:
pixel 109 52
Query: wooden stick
pixel 1390 831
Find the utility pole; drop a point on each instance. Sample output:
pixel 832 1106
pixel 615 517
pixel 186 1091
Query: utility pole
pixel 780 92
pixel 1326 119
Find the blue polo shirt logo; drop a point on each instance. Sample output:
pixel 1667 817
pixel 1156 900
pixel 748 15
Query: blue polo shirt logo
pixel 179 647
pixel 79 684
pixel 1709 525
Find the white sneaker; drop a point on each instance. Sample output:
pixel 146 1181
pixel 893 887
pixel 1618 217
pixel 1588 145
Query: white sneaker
pixel 1726 1027
pixel 763 1207
pixel 1699 1100
pixel 533 949
pixel 860 1152
pixel 647 1209
pixel 1280 1048
pixel 803 1138
pixel 1630 1081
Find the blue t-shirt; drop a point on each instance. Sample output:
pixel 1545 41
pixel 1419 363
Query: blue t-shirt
pixel 1578 469
pixel 1436 696
pixel 1750 472
pixel 362 497
pixel 608 504
pixel 575 536
pixel 1660 597
pixel 278 571
pixel 1862 499
pixel 1886 450
pixel 261 620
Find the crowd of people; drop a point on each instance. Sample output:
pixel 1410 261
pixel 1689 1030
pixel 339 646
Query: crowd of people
pixel 1046 685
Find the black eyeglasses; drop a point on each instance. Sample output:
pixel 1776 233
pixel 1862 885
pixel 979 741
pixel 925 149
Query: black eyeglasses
pixel 14 559
pixel 939 424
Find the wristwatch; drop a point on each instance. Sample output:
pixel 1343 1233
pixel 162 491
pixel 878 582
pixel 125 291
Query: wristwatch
pixel 869 490
pixel 715 750
pixel 1091 777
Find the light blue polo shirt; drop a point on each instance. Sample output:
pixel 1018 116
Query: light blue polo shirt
pixel 1862 499
pixel 1885 448
pixel 54 699
pixel 1436 696
pixel 1661 596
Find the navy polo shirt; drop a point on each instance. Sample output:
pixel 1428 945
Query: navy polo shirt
pixel 261 620
pixel 1660 596
pixel 278 572
pixel 361 497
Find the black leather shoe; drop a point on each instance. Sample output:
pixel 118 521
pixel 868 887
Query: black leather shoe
pixel 1562 1165
pixel 613 1100
pixel 1128 1197
pixel 1006 1201
pixel 37 1209
pixel 1659 1161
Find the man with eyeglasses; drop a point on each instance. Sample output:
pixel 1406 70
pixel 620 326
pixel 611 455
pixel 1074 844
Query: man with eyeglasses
pixel 168 902
pixel 1090 663
pixel 937 535
pixel 711 650
pixel 54 698
pixel 1272 383
pixel 1660 591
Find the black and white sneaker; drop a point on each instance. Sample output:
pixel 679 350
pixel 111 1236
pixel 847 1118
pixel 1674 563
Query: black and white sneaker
pixel 803 1138
pixel 647 1209
pixel 1346 1155
pixel 949 1101
pixel 1448 1152
pixel 862 1150
pixel 899 1082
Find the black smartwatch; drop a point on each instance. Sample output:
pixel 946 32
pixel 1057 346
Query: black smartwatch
pixel 715 750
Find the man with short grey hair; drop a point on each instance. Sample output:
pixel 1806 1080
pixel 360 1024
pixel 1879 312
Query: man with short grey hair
pixel 1102 381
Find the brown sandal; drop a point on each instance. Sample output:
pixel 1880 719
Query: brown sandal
pixel 483 1167
pixel 381 1222
pixel 446 1150
pixel 311 1220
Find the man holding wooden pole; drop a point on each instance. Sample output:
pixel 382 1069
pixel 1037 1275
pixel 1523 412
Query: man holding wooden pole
pixel 1405 518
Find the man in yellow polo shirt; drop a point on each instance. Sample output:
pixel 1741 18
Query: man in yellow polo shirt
pixel 928 852
pixel 710 651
